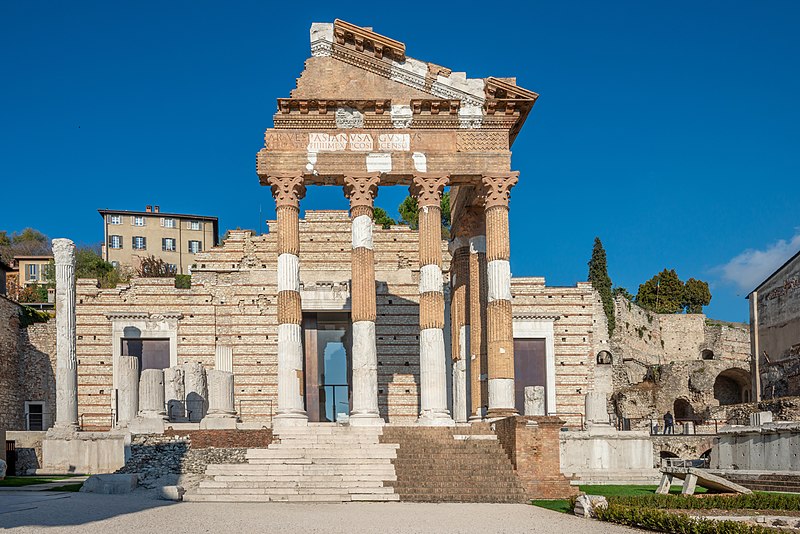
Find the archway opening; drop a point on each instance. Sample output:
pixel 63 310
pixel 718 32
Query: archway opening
pixel 730 386
pixel 604 357
pixel 707 354
pixel 682 410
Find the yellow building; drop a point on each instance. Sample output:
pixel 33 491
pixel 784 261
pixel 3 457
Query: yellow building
pixel 172 237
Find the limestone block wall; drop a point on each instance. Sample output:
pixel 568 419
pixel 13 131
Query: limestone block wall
pixel 778 329
pixel 27 363
pixel 10 414
pixel 579 329
pixel 772 447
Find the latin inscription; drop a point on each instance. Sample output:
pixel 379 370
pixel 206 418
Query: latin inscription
pixel 340 142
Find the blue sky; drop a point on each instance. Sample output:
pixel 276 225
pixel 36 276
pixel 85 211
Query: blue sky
pixel 670 130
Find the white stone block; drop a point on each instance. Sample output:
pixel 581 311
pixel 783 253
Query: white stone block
pixel 362 232
pixel 498 280
pixel 430 279
pixel 420 162
pixel 288 272
pixel 379 162
pixel 110 484
pixel 534 400
pixel 501 393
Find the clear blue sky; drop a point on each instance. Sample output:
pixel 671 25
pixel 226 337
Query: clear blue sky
pixel 668 129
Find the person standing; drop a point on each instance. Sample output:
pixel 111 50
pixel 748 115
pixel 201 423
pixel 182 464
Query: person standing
pixel 669 423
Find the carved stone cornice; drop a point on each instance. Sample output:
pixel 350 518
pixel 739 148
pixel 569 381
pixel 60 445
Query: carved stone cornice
pixel 364 40
pixel 427 188
pixel 361 189
pixel 497 88
pixel 434 106
pixel 305 106
pixel 497 188
pixel 287 190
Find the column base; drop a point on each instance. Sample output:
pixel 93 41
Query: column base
pixel 290 419
pixel 435 419
pixel 366 419
pixel 476 418
pixel 146 425
pixel 499 413
pixel 218 422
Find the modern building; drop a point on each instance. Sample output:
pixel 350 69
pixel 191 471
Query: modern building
pixel 775 331
pixel 172 237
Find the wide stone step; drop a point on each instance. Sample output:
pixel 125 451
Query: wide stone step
pixel 302 478
pixel 300 470
pixel 194 497
pixel 322 453
pixel 329 490
pixel 293 484
pixel 319 461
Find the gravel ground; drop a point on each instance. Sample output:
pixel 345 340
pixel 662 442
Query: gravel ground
pixel 137 513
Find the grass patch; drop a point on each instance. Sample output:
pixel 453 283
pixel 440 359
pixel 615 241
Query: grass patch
pixel 629 490
pixel 16 482
pixel 68 487
pixel 557 505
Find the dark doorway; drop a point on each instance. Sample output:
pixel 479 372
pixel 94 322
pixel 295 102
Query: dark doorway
pixel 152 353
pixel 530 369
pixel 328 365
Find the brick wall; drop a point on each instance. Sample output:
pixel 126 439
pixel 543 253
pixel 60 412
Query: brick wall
pixel 532 444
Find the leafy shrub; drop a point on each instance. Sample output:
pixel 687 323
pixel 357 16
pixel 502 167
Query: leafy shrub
pixel 661 521
pixel 28 316
pixel 183 281
pixel 753 501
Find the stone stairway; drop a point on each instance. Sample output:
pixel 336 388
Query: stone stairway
pixel 317 463
pixel 456 464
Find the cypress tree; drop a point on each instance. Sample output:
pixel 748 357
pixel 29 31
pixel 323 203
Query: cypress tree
pixel 598 276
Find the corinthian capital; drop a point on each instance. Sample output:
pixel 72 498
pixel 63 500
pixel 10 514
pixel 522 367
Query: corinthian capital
pixel 361 189
pixel 287 190
pixel 497 188
pixel 428 187
pixel 64 251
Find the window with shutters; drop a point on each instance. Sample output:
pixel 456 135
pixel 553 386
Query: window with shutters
pixel 115 241
pixel 195 246
pixel 194 225
pixel 139 243
pixel 168 244
pixel 138 221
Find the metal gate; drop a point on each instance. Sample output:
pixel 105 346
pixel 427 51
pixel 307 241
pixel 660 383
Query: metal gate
pixel 11 458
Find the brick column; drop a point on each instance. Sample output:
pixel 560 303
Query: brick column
pixel 362 190
pixel 459 325
pixel 288 191
pixel 427 188
pixel 479 392
pixel 500 335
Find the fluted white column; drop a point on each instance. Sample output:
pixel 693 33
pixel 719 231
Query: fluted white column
pixel 128 391
pixel 220 394
pixel 223 358
pixel 151 394
pixel 66 359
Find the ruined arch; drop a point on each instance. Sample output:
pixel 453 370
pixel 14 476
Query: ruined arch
pixel 682 410
pixel 604 357
pixel 732 386
pixel 707 354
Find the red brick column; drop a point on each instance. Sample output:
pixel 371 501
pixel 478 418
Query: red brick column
pixel 288 191
pixel 500 335
pixel 428 188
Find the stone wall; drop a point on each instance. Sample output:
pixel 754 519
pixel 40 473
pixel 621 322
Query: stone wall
pixel 580 332
pixel 532 445
pixel 10 414
pixel 28 446
pixel 233 302
pixel 659 359
pixel 778 324
pixel 27 364
pixel 154 457
pixel 771 447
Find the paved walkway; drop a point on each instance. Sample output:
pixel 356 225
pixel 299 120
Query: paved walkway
pixel 120 514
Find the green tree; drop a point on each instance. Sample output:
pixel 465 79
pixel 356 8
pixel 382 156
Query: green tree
pixel 29 235
pixel 663 293
pixel 696 295
pixel 409 211
pixel 620 291
pixel 89 264
pixel 152 267
pixel 382 218
pixel 598 276
pixel 5 241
